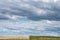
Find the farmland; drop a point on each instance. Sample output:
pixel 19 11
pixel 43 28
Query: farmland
pixel 29 38
pixel 44 38
pixel 14 38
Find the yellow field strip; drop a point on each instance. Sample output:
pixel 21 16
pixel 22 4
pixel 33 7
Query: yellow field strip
pixel 14 37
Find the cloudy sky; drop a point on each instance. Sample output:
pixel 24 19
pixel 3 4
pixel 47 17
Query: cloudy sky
pixel 30 17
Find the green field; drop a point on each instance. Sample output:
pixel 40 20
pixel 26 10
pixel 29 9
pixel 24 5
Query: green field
pixel 44 38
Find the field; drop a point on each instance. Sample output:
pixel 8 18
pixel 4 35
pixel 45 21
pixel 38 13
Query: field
pixel 29 38
pixel 14 38
pixel 44 38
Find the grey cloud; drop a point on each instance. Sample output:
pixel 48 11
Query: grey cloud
pixel 51 11
pixel 2 17
pixel 54 29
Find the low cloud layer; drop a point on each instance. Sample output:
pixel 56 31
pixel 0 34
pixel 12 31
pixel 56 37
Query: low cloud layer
pixel 42 28
pixel 32 9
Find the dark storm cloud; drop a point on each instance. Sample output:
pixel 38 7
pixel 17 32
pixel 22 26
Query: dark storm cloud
pixel 48 11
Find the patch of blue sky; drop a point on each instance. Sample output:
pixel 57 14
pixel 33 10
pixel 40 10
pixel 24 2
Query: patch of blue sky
pixel 23 19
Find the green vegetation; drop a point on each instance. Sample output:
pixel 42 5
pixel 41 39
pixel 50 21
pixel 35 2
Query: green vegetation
pixel 44 38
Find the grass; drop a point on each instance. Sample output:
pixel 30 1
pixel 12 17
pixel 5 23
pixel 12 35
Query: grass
pixel 44 38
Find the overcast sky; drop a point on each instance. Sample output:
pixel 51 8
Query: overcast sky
pixel 30 17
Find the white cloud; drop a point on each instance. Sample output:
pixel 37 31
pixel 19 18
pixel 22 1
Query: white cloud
pixel 24 27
